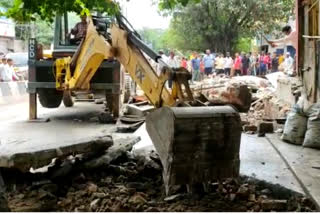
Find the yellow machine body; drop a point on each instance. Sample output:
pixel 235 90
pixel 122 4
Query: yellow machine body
pixel 195 144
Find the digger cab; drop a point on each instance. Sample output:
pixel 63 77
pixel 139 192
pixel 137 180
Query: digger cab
pixel 64 23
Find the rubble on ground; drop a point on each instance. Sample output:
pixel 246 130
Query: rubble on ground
pixel 266 103
pixel 259 100
pixel 130 183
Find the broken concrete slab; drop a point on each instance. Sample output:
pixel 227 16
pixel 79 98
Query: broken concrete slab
pixel 275 205
pixel 119 148
pixel 39 157
pixel 286 86
pixel 145 145
pixel 275 108
pixel 233 94
pixel 138 110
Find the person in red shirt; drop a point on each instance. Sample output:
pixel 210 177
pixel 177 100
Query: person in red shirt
pixel 237 65
pixel 262 64
pixel 184 63
pixel 267 61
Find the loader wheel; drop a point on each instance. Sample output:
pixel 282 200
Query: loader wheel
pixel 68 100
pixel 50 97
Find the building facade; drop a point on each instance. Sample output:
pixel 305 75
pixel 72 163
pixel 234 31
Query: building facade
pixel 7 35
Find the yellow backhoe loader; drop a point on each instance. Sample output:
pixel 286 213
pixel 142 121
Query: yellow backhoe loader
pixel 196 143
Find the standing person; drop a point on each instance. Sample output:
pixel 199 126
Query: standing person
pixel 220 64
pixel 253 64
pixel 268 62
pixel 173 63
pixel 274 62
pixel 184 63
pixel 228 64
pixel 208 63
pixel 245 61
pixel 1 69
pixel 202 74
pixel 159 65
pixel 281 59
pixel 262 65
pixel 163 56
pixel 289 65
pixel 237 65
pixel 9 73
pixel 195 62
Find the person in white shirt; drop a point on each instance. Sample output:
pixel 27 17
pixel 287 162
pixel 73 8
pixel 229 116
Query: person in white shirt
pixel 220 62
pixel 228 64
pixel 3 67
pixel 1 70
pixel 159 65
pixel 173 63
pixel 288 65
pixel 9 73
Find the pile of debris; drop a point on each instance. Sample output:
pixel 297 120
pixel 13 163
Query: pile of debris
pixel 263 103
pixel 119 181
pixel 256 98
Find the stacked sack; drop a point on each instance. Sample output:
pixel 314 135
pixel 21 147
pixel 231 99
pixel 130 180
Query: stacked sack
pixel 312 137
pixel 303 127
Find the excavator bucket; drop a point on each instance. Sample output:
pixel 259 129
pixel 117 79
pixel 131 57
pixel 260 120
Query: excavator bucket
pixel 196 145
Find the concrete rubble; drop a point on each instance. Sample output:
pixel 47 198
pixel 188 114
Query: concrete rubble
pixel 103 174
pixel 39 157
pixel 128 183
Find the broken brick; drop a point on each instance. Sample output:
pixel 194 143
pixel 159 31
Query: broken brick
pixel 265 127
pixel 276 205
pixel 250 128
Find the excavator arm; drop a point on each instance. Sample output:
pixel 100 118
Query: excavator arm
pixel 76 73
pixel 196 145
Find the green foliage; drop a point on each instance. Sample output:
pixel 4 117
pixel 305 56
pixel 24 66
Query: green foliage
pixel 172 4
pixel 219 24
pixel 244 45
pixel 29 10
pixel 152 37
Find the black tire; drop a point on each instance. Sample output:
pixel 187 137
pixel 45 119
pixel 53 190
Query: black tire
pixel 68 100
pixel 50 97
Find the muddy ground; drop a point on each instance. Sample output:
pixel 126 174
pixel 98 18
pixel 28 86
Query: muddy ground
pixel 135 184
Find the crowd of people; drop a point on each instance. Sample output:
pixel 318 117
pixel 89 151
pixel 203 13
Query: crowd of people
pixel 208 64
pixel 7 71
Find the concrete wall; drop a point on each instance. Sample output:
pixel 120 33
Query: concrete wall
pixel 12 91
pixel 6 44
pixel 20 46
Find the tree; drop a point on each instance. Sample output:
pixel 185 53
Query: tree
pixel 218 25
pixel 27 10
pixel 153 37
